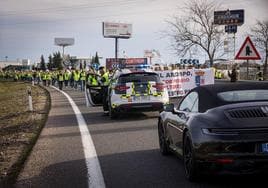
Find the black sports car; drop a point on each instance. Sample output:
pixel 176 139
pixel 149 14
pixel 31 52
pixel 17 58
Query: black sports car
pixel 218 128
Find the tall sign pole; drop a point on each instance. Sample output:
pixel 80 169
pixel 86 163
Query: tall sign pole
pixel 116 48
pixel 231 19
pixel 116 31
pixel 63 42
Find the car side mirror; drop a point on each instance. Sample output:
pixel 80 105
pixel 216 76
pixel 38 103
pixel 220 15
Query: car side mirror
pixel 186 110
pixel 169 107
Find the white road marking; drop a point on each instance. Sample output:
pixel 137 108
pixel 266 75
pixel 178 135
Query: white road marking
pixel 95 177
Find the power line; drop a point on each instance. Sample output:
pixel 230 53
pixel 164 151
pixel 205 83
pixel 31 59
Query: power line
pixel 64 8
pixel 87 17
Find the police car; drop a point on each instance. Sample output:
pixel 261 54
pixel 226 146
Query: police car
pixel 136 90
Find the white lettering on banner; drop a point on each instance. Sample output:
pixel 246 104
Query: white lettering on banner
pixel 180 82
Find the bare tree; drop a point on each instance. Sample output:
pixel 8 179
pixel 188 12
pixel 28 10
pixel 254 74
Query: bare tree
pixel 196 31
pixel 259 34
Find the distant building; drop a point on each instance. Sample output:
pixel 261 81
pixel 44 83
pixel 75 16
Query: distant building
pixel 23 64
pixel 26 62
pixel 4 64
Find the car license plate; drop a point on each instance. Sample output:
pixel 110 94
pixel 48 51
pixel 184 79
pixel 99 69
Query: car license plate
pixel 264 147
pixel 147 98
pixel 136 98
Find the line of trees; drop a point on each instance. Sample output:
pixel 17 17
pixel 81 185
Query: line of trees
pixel 55 62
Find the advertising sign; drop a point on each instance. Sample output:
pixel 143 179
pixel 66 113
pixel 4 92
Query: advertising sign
pixel 135 61
pixel 124 62
pixel 64 41
pixel 117 30
pixel 229 17
pixel 180 82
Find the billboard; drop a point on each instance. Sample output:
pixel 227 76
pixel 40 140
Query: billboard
pixel 64 41
pixel 116 30
pixel 229 17
pixel 124 62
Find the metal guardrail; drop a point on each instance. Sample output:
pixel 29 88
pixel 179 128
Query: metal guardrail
pixel 218 81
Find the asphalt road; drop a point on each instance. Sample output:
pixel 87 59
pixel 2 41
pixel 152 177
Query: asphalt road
pixel 127 150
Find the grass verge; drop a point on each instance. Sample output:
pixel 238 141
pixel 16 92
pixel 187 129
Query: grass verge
pixel 19 128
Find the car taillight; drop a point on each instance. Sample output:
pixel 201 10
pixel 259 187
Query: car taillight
pixel 121 88
pixel 224 161
pixel 159 87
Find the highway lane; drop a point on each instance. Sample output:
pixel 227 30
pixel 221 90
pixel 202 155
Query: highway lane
pixel 57 159
pixel 129 155
pixel 127 150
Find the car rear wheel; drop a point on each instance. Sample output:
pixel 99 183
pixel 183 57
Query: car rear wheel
pixel 164 146
pixel 190 164
pixel 112 113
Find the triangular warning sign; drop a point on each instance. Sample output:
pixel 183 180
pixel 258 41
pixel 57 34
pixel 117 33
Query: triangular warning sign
pixel 248 51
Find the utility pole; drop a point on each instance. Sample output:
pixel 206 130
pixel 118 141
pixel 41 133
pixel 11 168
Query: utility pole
pixel 116 48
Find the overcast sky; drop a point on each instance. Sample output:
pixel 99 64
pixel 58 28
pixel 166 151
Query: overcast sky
pixel 28 27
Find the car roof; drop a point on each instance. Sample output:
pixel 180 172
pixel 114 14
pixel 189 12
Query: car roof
pixel 208 93
pixel 217 88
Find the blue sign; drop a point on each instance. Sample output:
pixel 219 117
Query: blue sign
pixel 95 66
pixel 230 28
pixel 190 61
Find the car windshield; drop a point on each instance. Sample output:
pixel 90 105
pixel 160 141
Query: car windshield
pixel 139 78
pixel 244 95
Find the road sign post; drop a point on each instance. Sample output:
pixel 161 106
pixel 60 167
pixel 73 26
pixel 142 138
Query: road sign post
pixel 231 19
pixel 116 30
pixel 248 52
pixel 64 42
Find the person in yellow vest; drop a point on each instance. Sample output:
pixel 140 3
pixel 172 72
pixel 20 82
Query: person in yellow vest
pixel 16 77
pixel 48 78
pixel 104 82
pixel 43 77
pixel 83 79
pixel 29 76
pixel 76 78
pixel 54 75
pixel 66 78
pixel 219 74
pixel 92 79
pixel 60 79
pixel 38 77
pixel 71 80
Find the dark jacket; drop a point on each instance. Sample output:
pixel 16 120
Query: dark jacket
pixel 233 75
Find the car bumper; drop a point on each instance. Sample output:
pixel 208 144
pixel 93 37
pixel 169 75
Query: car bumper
pixel 233 156
pixel 139 107
pixel 238 166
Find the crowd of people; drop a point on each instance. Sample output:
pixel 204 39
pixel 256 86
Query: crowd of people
pixel 73 78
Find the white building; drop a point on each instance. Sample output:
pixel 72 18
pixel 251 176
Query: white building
pixel 7 63
pixel 26 62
